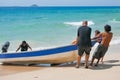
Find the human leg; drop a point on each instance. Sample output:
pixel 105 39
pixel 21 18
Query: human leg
pixel 78 61
pixel 102 60
pixel 92 61
pixel 80 53
pixel 103 53
pixel 86 60
pixel 96 54
pixel 97 62
pixel 87 51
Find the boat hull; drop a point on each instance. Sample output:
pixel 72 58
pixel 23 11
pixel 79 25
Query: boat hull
pixel 57 55
pixel 49 56
pixel 49 59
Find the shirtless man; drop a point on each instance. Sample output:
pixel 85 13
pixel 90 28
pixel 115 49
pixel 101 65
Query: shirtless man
pixel 103 46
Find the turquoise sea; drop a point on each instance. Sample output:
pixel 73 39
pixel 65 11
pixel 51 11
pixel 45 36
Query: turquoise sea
pixel 45 27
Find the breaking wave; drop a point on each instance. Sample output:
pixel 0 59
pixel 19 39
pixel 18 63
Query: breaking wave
pixel 115 21
pixel 79 23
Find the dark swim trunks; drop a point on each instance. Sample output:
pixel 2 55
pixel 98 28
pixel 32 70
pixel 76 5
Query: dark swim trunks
pixel 81 50
pixel 100 51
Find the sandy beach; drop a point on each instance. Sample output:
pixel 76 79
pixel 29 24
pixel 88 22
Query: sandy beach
pixel 108 71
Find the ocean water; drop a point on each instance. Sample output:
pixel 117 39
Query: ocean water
pixel 46 27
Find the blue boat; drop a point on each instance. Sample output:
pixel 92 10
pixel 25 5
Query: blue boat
pixel 56 55
pixel 51 56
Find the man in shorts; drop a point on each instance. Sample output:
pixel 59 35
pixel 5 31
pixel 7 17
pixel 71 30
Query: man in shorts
pixel 83 42
pixel 103 46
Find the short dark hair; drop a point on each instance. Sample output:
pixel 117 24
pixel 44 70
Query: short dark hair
pixel 24 42
pixel 97 31
pixel 107 28
pixel 86 22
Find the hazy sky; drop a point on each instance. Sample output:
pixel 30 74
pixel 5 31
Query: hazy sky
pixel 60 2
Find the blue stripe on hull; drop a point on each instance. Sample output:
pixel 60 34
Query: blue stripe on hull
pixel 40 53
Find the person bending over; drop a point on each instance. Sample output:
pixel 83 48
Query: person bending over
pixel 24 46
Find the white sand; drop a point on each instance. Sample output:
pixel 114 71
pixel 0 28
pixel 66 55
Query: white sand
pixel 110 70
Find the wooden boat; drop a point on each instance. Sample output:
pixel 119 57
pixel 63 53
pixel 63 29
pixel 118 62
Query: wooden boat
pixel 48 56
pixel 57 55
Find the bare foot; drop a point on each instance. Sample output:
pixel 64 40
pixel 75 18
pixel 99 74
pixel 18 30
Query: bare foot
pixel 77 66
pixel 91 64
pixel 96 65
pixel 86 67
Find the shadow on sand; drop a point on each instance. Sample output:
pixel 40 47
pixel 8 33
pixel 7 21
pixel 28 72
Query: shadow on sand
pixel 107 64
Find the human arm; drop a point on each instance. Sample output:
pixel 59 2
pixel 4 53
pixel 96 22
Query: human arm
pixel 74 42
pixel 18 48
pixel 30 48
pixel 98 36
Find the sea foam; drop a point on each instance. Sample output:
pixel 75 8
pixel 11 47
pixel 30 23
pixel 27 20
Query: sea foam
pixel 79 23
pixel 115 41
pixel 115 21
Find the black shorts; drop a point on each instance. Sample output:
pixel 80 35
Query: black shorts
pixel 81 50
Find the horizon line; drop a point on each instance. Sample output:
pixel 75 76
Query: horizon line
pixel 60 6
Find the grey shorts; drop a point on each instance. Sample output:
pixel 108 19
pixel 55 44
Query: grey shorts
pixel 100 51
pixel 81 50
